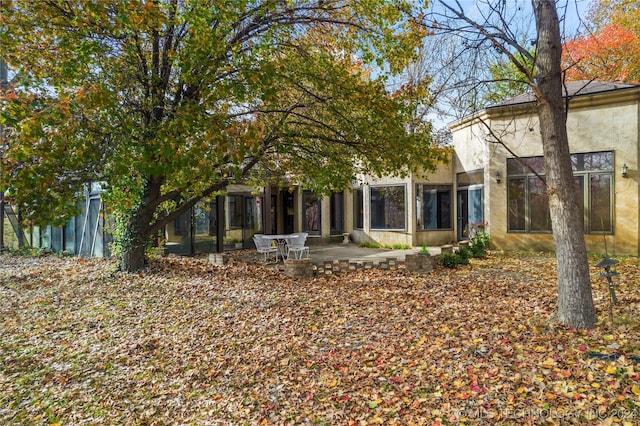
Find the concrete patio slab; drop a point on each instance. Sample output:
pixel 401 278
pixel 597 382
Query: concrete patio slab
pixel 353 252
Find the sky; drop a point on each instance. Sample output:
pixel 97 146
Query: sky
pixel 574 10
pixel 571 13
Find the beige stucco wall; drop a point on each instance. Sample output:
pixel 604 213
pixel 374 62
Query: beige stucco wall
pixel 410 235
pixel 387 237
pixel 443 176
pixel 595 123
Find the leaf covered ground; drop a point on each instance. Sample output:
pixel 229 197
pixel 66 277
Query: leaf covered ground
pixel 185 342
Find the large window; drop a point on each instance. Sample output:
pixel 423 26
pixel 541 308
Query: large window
pixel 388 207
pixel 433 207
pixel 528 202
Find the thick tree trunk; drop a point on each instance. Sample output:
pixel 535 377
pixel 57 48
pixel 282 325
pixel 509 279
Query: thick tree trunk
pixel 137 228
pixel 575 303
pixel 132 256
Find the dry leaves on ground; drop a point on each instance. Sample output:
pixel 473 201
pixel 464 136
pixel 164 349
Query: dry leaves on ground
pixel 185 342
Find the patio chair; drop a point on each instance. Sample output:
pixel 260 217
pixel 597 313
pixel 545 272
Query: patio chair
pixel 264 246
pixel 296 247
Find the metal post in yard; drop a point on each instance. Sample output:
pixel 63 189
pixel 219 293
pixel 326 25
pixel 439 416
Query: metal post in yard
pixel 607 263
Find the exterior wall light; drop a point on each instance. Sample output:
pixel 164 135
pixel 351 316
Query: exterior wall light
pixel 498 176
pixel 625 170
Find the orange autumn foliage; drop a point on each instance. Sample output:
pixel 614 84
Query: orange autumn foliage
pixel 611 54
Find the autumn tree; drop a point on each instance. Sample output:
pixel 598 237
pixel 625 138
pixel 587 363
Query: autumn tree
pixel 493 31
pixel 610 47
pixel 168 101
pixel 624 13
pixel 611 54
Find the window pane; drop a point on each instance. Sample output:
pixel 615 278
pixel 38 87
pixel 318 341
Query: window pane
pixel 600 206
pixel 516 204
pixel 429 209
pixel 235 214
pixel 444 209
pixel 253 212
pixel 539 217
pixel 579 181
pixel 592 161
pixel 337 213
pixel 526 166
pixel 514 167
pixel 70 235
pixel 311 212
pixel 358 208
pixel 387 207
pixel 182 224
pixel 205 226
pixel 476 211
pixel 433 207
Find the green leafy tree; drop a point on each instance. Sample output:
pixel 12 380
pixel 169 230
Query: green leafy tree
pixel 167 101
pixel 507 80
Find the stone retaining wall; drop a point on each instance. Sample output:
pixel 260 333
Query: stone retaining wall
pixel 298 268
pixel 305 269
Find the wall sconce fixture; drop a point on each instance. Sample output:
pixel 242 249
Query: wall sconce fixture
pixel 625 170
pixel 498 176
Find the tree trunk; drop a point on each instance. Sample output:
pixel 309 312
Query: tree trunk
pixel 575 303
pixel 137 228
pixel 132 256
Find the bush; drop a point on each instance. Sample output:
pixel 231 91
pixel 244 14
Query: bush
pixel 369 244
pixel 451 260
pixel 465 254
pixel 457 258
pixel 399 246
pixel 480 244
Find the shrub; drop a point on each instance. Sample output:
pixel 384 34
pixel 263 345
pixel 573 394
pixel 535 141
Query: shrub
pixel 399 246
pixel 450 260
pixel 465 254
pixel 369 244
pixel 479 244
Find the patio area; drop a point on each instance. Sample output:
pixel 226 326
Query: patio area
pixel 336 257
pixel 355 253
pixel 320 253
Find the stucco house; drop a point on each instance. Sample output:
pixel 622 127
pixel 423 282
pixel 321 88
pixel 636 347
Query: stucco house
pixel 495 179
pixel 502 145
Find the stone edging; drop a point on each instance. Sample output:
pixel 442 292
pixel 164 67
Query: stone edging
pixel 306 269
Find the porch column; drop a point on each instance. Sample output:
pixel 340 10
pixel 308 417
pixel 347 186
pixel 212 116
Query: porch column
pixel 266 211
